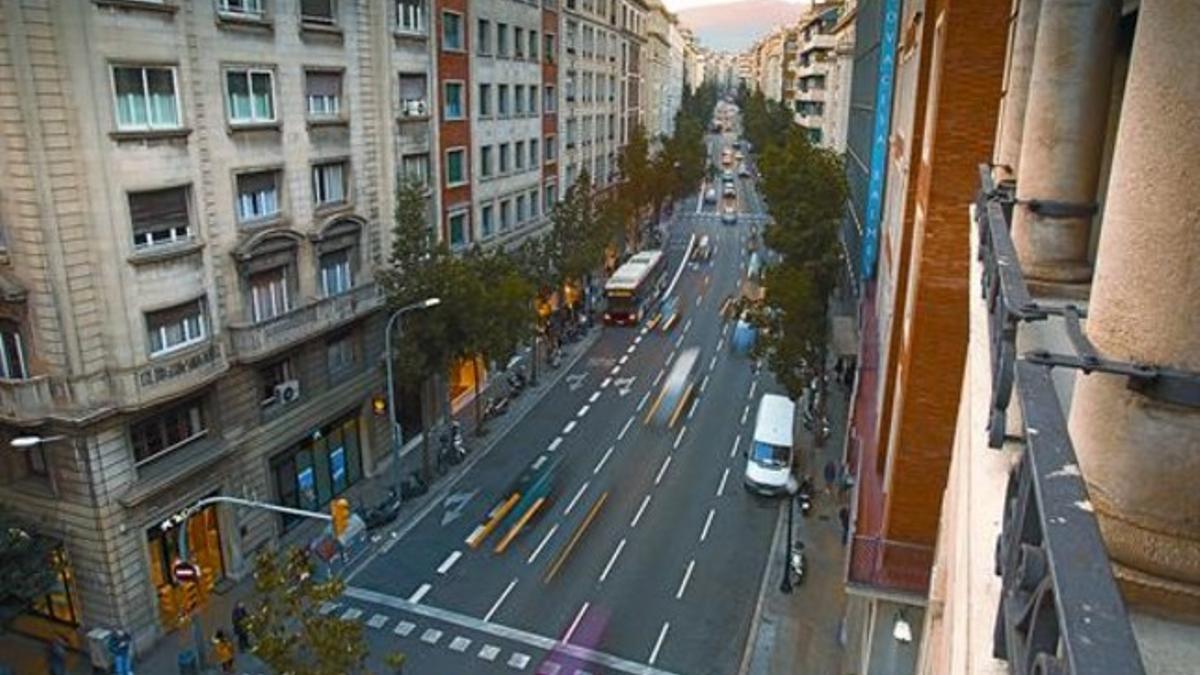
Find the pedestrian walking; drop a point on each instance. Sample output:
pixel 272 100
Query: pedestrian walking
pixel 239 626
pixel 56 656
pixel 844 517
pixel 223 651
pixel 120 646
pixel 830 476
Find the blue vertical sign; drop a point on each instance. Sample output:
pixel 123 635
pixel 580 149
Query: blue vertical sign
pixel 879 144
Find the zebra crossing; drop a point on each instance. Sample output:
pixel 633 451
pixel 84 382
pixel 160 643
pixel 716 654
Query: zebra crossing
pixel 454 641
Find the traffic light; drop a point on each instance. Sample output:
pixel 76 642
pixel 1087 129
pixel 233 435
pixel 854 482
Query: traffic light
pixel 340 510
pixel 379 406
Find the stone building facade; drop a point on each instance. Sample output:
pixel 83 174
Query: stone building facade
pixel 198 200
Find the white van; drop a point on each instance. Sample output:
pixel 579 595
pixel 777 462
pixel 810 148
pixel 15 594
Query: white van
pixel 769 459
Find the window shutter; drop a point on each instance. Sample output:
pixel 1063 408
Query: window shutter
pixel 412 87
pixel 324 84
pixel 256 182
pixel 158 209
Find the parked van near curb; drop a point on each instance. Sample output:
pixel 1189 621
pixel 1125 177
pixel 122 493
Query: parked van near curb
pixel 769 459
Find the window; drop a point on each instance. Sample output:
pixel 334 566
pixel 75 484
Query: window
pixel 504 158
pixel 502 40
pixel 317 11
pixel 485 161
pixel 519 99
pixel 519 155
pixel 336 274
pixel 485 100
pixel 551 197
pixel 251 93
pixel 549 103
pixel 456 167
pixel 176 327
pixel 159 217
pixel 247 8
pixel 551 147
pixel 272 376
pixel 415 168
pixel 414 95
pixel 533 45
pixel 146 98
pixel 167 430
pixel 258 195
pixel 323 90
pixel 453 109
pixel 502 94
pixel 268 294
pixel 522 210
pixel 548 48
pixel 487 225
pixel 534 157
pixel 452 31
pixel 518 42
pixel 410 16
pixel 340 354
pixel 329 183
pixel 12 352
pixel 457 225
pixel 483 38
pixel 533 203
pixel 533 99
pixel 506 215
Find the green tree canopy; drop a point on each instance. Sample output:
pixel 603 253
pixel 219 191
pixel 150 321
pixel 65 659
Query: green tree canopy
pixel 27 568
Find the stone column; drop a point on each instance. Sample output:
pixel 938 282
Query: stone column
pixel 1063 137
pixel 1141 456
pixel 1022 32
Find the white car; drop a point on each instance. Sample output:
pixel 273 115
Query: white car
pixel 729 217
pixel 710 195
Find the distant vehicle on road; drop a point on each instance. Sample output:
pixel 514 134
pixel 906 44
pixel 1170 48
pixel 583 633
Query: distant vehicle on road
pixel 744 171
pixel 730 190
pixel 710 195
pixel 633 287
pixel 729 216
pixel 669 313
pixel 676 389
pixel 769 459
pixel 703 250
pixel 739 155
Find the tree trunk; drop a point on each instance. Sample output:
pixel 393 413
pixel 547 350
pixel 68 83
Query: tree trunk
pixel 427 398
pixel 478 403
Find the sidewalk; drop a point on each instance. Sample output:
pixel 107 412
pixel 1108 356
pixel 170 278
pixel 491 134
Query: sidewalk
pixel 27 656
pixel 800 632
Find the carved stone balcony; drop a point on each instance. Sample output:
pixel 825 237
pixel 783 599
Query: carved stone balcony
pixel 251 342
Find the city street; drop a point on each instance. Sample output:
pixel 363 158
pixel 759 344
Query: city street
pixel 671 548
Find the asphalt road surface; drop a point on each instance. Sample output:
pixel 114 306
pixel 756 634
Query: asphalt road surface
pixel 665 571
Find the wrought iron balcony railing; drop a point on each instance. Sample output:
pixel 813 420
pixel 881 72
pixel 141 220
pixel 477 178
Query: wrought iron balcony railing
pixel 1060 610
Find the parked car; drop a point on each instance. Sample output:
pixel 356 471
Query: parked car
pixel 710 195
pixel 730 190
pixel 729 216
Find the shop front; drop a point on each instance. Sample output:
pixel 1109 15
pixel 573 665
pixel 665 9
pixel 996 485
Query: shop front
pixel 463 376
pixel 204 550
pixel 56 613
pixel 323 465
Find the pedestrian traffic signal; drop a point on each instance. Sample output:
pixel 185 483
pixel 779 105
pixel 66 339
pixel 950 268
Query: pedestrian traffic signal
pixel 340 510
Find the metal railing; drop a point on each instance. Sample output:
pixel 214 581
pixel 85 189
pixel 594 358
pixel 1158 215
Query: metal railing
pixel 1060 610
pixel 257 340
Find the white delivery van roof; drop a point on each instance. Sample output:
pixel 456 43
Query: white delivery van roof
pixel 776 420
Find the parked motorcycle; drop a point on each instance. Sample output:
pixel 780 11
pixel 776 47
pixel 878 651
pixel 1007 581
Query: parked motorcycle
pixel 516 381
pixel 452 446
pixel 555 360
pixel 799 562
pixel 804 496
pixel 383 512
pixel 413 486
pixel 495 407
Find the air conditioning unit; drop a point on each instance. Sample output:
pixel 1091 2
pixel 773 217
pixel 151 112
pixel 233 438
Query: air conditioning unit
pixel 287 391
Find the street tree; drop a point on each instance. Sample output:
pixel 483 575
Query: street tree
pixel 27 565
pixel 636 192
pixel 287 630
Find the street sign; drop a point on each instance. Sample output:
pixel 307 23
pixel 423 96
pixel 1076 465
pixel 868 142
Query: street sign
pixel 185 571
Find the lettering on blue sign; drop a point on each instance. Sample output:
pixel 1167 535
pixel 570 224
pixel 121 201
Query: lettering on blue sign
pixel 883 113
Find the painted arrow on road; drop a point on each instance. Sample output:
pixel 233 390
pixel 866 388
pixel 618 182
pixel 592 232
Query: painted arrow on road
pixel 576 381
pixel 454 505
pixel 624 384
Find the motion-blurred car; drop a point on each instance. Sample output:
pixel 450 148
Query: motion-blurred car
pixel 669 311
pixel 703 250
pixel 729 216
pixel 676 390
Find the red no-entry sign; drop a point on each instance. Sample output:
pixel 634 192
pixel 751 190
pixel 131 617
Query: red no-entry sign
pixel 185 571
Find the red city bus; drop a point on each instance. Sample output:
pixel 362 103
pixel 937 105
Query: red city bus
pixel 633 288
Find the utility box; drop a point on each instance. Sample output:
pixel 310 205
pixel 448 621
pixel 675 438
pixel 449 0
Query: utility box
pixel 97 644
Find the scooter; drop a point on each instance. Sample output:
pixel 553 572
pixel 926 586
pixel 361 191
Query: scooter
pixel 495 407
pixel 804 497
pixel 799 563
pixel 383 512
pixel 516 381
pixel 555 359
pixel 453 449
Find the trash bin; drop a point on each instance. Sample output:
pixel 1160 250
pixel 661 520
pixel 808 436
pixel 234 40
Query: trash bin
pixel 97 642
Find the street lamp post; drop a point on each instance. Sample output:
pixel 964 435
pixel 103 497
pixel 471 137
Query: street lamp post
pixel 391 381
pixel 785 586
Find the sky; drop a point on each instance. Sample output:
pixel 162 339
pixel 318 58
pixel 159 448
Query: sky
pixel 676 5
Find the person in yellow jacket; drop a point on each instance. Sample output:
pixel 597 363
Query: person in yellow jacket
pixel 223 651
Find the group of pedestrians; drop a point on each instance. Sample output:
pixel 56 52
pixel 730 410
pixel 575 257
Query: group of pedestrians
pixel 223 648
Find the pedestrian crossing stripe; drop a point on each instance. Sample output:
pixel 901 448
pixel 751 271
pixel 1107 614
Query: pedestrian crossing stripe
pixel 327 607
pixel 518 660
pixel 489 652
pixel 351 614
pixel 460 644
pixel 431 636
pixel 404 628
pixel 378 621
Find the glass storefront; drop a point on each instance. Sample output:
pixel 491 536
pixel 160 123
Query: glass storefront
pixel 59 604
pixel 311 473
pixel 204 549
pixel 462 379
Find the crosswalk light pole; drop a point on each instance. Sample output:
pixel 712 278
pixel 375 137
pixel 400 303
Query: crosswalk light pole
pixel 391 380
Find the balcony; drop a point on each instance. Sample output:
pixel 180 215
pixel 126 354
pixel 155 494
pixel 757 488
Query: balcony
pixel 30 399
pixel 1059 607
pixel 251 342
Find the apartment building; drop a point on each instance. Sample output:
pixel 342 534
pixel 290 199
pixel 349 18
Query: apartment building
pixel 810 72
pixel 199 195
pixel 839 79
pixel 632 23
pixel 665 66
pixel 589 111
